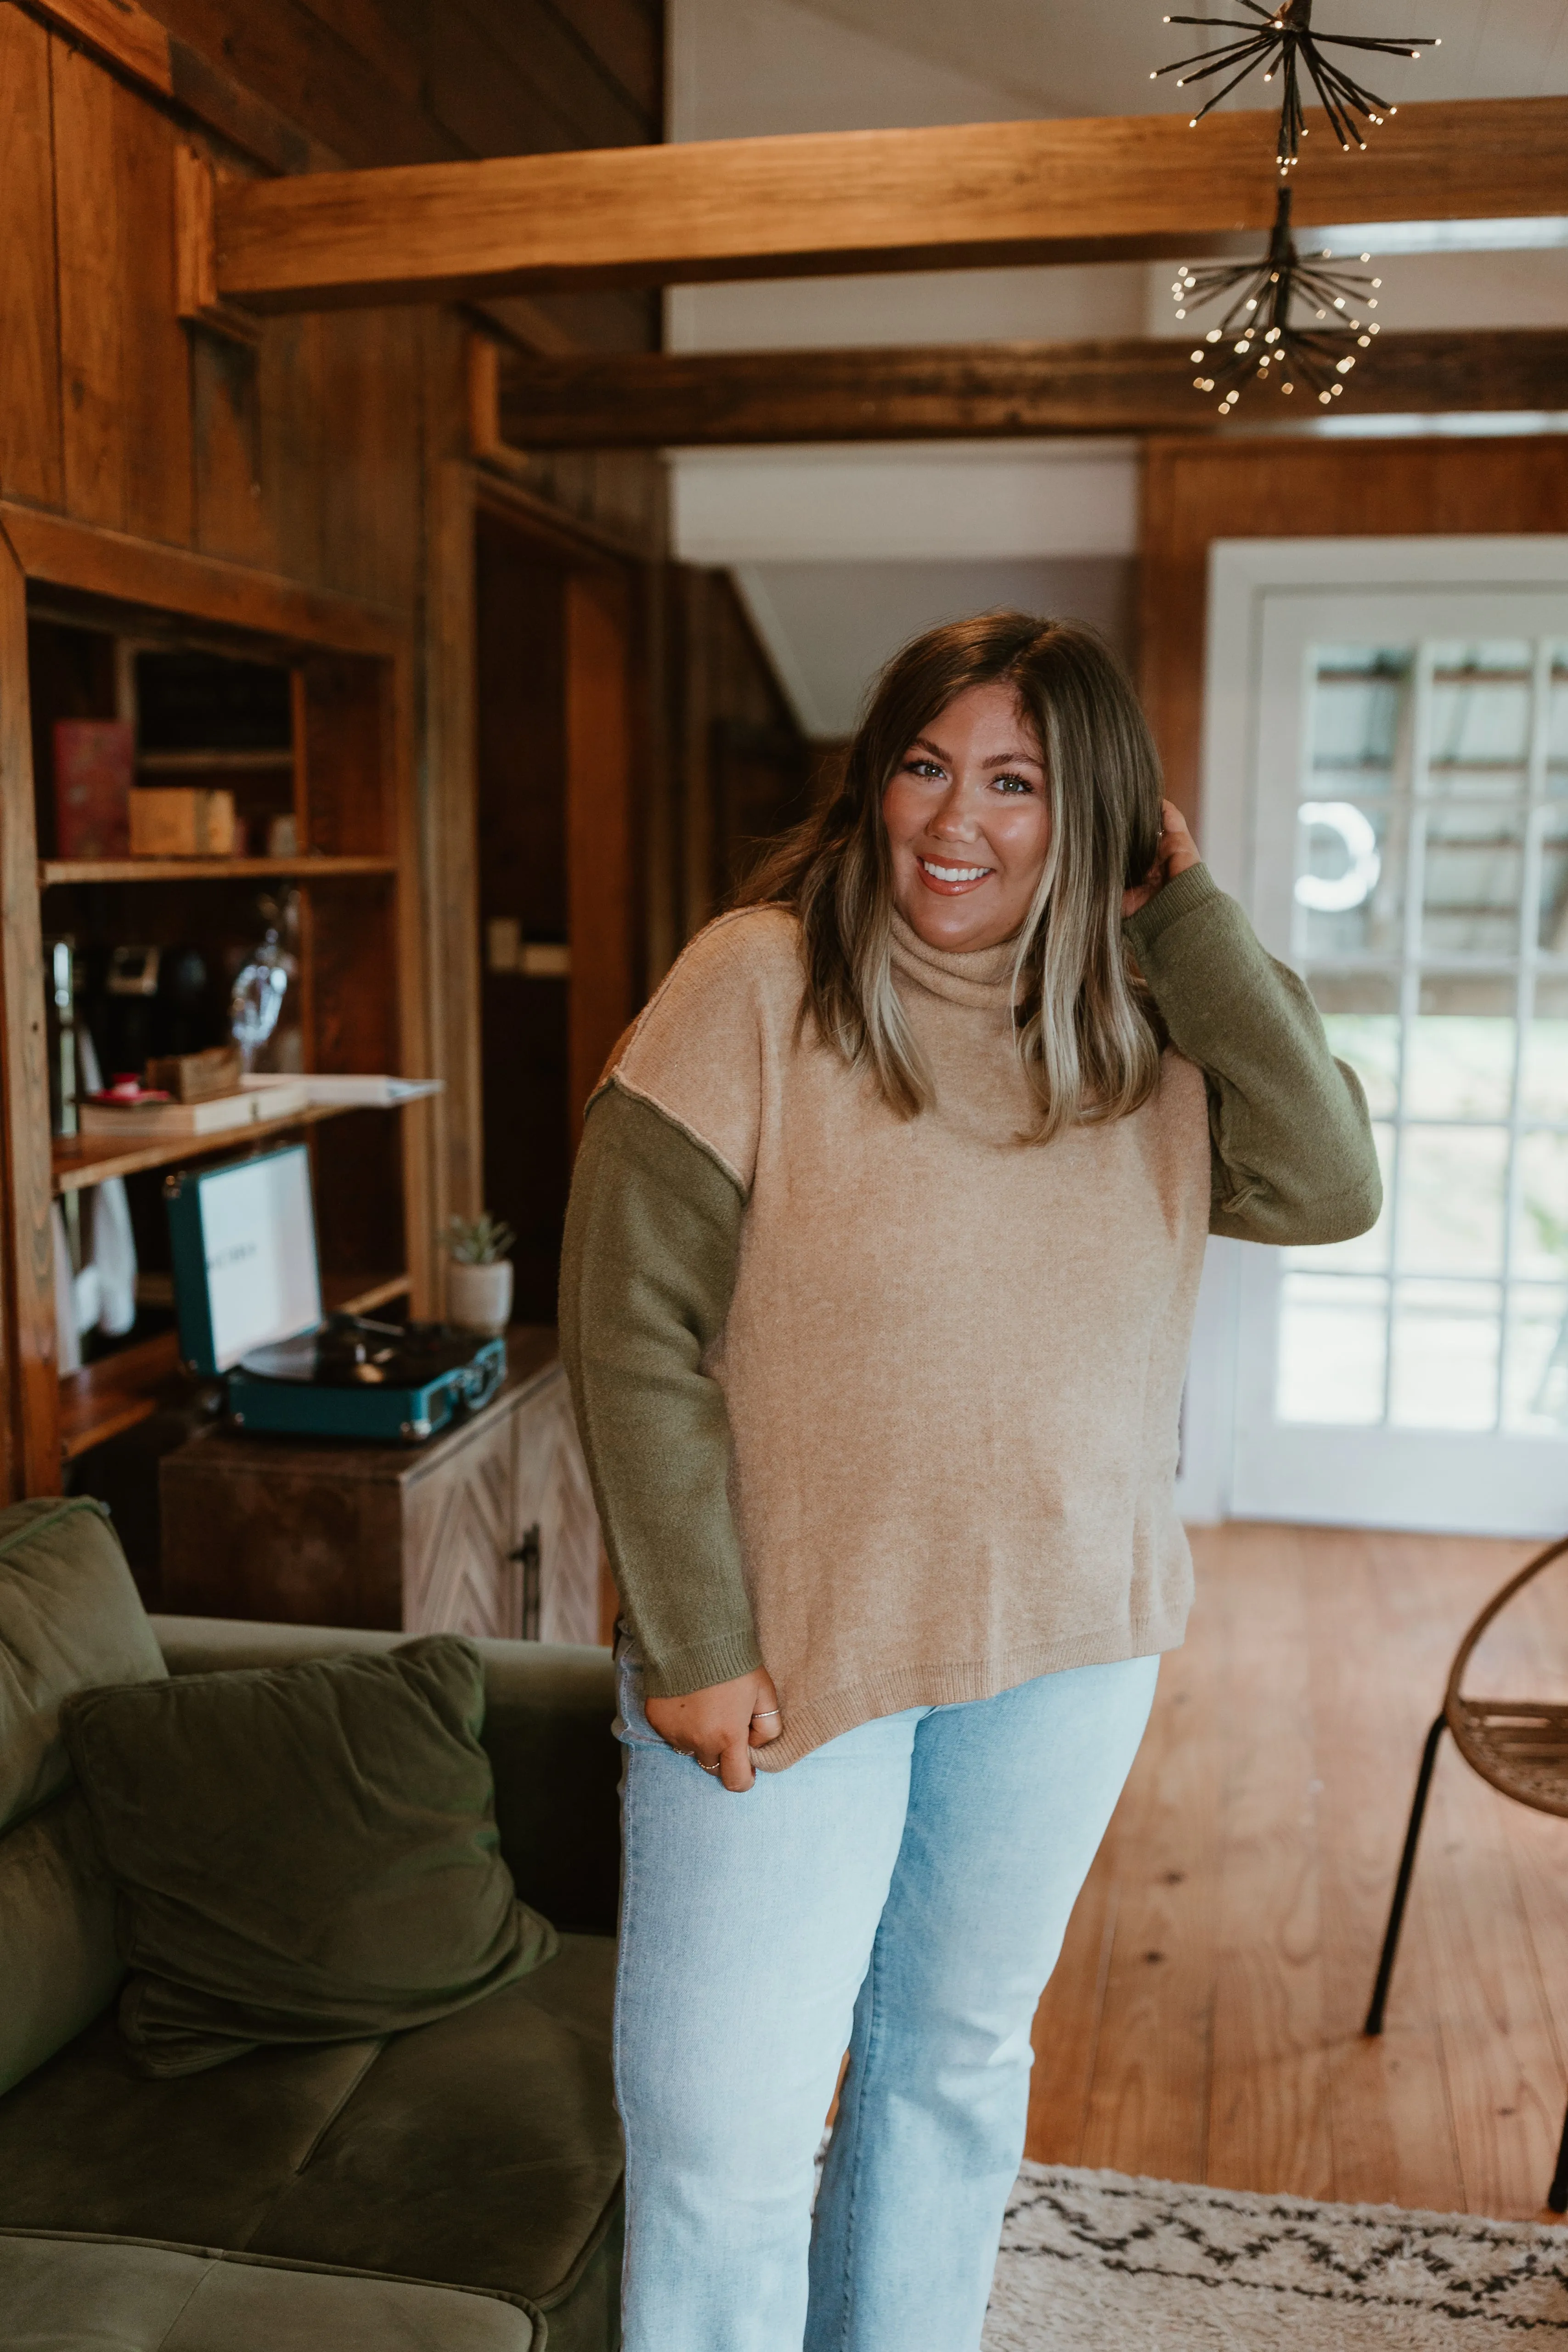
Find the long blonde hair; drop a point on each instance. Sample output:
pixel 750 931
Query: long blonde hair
pixel 1084 1032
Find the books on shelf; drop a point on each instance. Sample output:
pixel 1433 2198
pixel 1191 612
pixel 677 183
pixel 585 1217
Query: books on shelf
pixel 93 759
pixel 217 1115
pixel 350 1090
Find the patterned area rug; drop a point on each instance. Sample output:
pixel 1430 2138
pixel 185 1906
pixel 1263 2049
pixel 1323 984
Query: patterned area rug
pixel 1091 2261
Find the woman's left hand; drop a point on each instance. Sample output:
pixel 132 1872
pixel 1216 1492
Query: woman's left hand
pixel 1177 851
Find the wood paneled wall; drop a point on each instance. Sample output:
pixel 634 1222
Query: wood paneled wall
pixel 333 455
pixel 1196 492
pixel 427 81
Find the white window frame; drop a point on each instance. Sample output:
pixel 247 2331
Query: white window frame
pixel 1242 573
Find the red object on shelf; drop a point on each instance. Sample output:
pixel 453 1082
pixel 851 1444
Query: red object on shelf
pixel 127 1092
pixel 94 760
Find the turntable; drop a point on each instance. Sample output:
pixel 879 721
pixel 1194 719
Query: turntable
pixel 247 1290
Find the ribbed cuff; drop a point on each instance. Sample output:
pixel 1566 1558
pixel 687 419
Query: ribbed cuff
pixel 678 1672
pixel 1181 895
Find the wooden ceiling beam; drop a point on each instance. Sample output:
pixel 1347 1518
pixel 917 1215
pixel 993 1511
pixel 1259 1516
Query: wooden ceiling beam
pixel 979 391
pixel 969 195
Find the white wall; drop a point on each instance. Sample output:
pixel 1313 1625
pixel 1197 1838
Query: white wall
pixel 840 547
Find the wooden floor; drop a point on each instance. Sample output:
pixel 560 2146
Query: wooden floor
pixel 1205 2022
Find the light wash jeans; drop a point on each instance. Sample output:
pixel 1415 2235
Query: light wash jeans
pixel 901 1892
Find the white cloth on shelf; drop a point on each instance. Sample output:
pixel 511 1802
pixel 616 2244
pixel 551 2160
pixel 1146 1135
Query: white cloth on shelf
pixel 68 1338
pixel 113 1252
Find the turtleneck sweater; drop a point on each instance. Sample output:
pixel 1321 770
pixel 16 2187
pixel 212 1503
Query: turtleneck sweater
pixel 890 1404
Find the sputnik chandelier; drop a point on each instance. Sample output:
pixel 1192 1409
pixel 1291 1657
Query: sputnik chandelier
pixel 1283 41
pixel 1258 336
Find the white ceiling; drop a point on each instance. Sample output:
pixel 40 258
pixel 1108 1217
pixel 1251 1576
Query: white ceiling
pixel 836 549
pixel 1094 56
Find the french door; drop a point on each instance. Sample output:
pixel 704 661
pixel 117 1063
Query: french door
pixel 1406 849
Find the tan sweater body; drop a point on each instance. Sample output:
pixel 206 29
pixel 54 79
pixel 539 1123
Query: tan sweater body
pixel 953 1361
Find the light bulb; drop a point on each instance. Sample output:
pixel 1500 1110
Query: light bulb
pixel 1324 398
pixel 1345 366
pixel 1365 342
pixel 1197 358
pixel 1287 387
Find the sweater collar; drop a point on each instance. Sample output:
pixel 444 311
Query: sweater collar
pixel 981 979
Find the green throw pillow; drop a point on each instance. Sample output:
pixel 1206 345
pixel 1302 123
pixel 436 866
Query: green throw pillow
pixel 302 1853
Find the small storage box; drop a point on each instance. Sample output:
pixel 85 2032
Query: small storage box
pixel 247 1290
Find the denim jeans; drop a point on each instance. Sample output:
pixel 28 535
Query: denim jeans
pixel 901 1892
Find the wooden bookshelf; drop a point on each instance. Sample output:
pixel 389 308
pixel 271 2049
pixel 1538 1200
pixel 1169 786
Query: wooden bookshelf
pixel 55 872
pixel 121 631
pixel 120 1390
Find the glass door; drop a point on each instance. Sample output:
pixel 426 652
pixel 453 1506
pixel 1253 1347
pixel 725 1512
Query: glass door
pixel 1411 860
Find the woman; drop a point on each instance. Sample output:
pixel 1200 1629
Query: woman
pixel 881 1268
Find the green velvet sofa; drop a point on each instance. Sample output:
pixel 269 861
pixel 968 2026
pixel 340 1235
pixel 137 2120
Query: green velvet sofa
pixel 452 2189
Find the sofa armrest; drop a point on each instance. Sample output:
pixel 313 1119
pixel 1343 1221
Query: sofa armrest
pixel 548 1712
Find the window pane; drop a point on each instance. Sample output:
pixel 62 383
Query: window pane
pixel 1535 1380
pixel 1551 918
pixel 1358 706
pixel 1361 1013
pixel 1350 886
pixel 1460 1054
pixel 1451 1193
pixel 1479 722
pixel 1475 870
pixel 1541 1236
pixel 1333 1336
pixel 1544 1071
pixel 1444 1355
pixel 1557 724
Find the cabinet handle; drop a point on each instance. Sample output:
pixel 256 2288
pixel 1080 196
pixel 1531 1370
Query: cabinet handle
pixel 529 1556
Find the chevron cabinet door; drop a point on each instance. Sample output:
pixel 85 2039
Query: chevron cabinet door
pixel 489 1529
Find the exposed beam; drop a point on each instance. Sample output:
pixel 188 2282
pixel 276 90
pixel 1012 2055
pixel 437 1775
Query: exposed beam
pixel 1107 188
pixel 977 390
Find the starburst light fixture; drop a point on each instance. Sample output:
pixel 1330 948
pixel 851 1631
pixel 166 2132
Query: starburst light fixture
pixel 1256 337
pixel 1282 42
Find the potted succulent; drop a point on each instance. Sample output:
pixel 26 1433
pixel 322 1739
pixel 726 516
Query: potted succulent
pixel 478 1273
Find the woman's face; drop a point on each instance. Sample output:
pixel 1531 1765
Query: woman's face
pixel 968 822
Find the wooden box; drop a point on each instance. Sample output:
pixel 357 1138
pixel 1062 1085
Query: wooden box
pixel 183 820
pixel 488 1529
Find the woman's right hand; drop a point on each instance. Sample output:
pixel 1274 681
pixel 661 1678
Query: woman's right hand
pixel 721 1725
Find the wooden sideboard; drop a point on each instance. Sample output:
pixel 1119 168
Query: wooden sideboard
pixel 489 1528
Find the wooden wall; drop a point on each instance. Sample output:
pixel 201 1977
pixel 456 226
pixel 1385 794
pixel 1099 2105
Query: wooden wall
pixel 425 81
pixel 334 454
pixel 1198 491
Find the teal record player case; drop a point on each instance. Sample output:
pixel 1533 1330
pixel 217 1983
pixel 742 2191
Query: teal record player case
pixel 247 1293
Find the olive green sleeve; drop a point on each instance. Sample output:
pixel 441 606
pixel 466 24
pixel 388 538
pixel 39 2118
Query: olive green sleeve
pixel 653 1232
pixel 1292 1157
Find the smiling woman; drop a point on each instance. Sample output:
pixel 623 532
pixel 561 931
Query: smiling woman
pixel 881 1268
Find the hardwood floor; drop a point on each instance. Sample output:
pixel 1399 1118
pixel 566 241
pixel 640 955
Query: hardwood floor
pixel 1204 2021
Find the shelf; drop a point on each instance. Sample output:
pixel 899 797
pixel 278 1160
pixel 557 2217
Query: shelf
pixel 105 1398
pixel 115 1394
pixel 303 867
pixel 176 763
pixel 92 1159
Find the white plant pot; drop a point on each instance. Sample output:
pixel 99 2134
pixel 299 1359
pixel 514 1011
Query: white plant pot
pixel 479 1298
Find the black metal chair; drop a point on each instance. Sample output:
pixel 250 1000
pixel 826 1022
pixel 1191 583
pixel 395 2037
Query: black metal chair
pixel 1520 1745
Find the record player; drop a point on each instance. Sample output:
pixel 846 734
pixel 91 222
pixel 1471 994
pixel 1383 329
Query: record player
pixel 248 1291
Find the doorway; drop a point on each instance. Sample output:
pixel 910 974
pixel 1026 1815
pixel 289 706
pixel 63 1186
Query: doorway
pixel 1394 756
pixel 555 698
